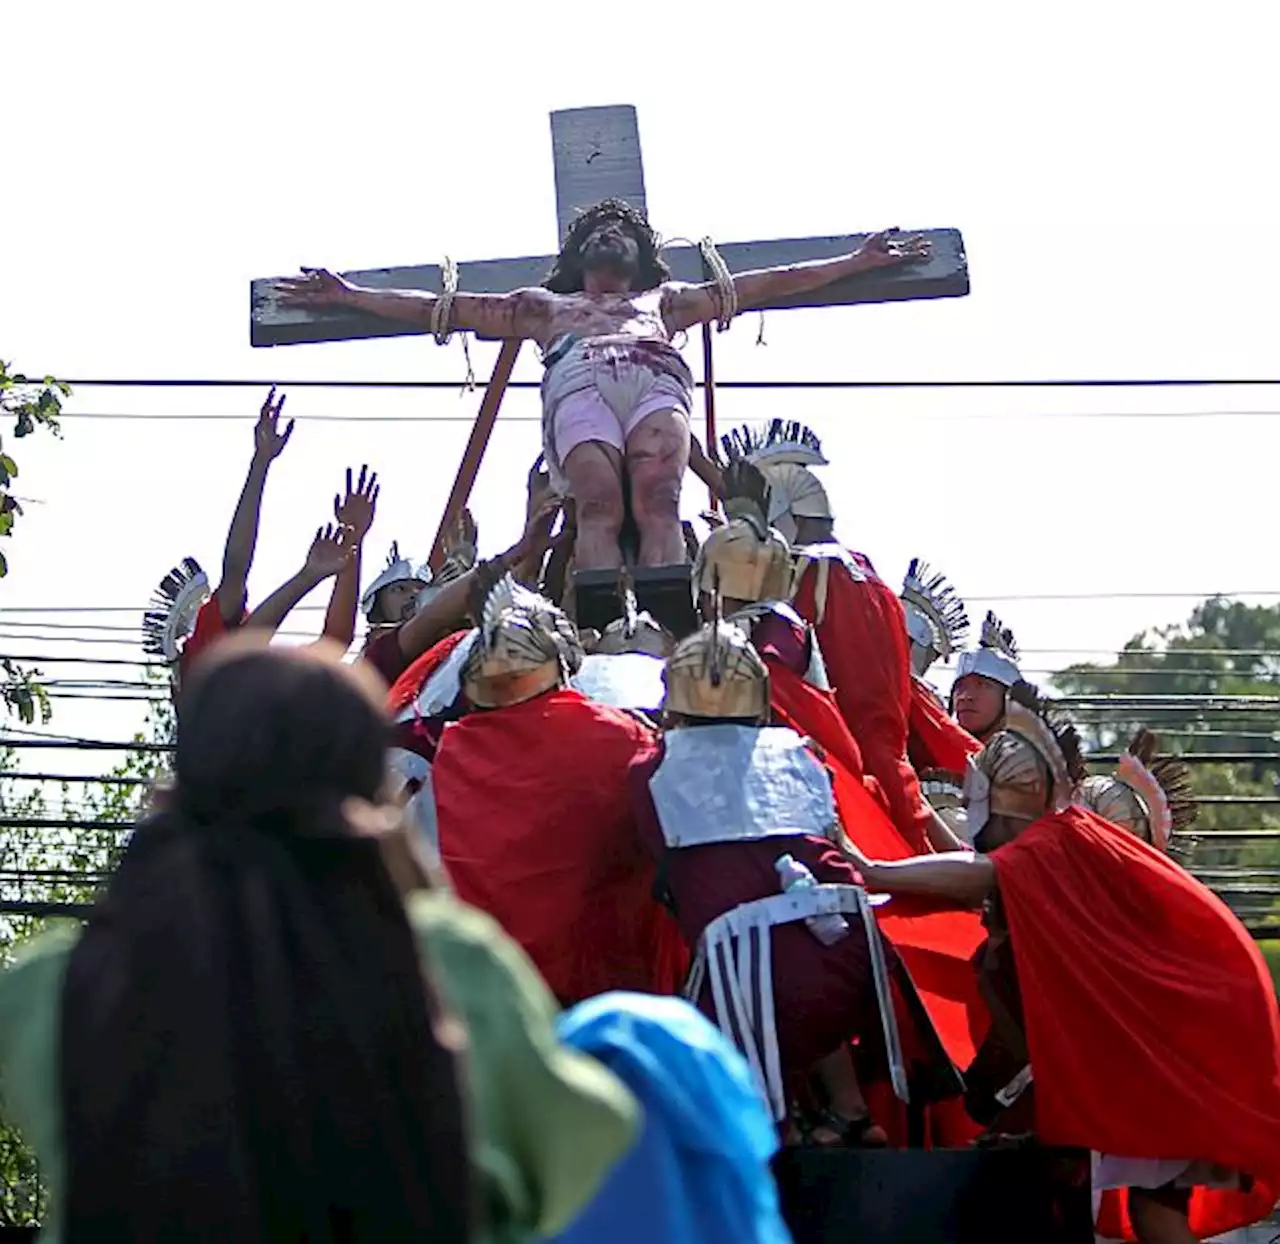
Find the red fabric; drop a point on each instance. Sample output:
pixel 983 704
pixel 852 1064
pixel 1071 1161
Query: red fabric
pixel 935 740
pixel 405 688
pixel 935 946
pixel 1151 1018
pixel 537 829
pixel 210 627
pixel 863 637
pixel 383 652
pixel 420 735
pixel 1211 1212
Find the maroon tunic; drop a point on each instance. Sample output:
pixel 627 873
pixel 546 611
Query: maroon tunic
pixel 780 638
pixel 382 651
pixel 824 996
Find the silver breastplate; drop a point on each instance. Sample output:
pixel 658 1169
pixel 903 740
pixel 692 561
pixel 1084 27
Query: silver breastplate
pixel 622 680
pixel 728 783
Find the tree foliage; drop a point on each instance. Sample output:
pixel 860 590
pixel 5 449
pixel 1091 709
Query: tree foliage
pixel 41 864
pixel 31 404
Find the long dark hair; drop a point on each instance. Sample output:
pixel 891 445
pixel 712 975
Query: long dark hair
pixel 250 1049
pixel 566 276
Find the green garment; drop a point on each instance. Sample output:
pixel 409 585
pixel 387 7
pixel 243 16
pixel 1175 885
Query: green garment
pixel 548 1123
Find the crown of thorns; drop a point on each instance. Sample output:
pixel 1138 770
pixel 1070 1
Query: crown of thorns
pixel 610 209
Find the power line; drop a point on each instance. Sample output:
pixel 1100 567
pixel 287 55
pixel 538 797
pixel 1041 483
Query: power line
pixel 999 598
pixel 204 417
pixel 1114 383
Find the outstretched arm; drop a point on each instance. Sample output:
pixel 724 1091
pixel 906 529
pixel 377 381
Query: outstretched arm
pixel 699 304
pixel 242 539
pixel 519 314
pixel 959 876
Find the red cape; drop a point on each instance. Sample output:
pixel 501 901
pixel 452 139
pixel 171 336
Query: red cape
pixel 536 829
pixel 405 689
pixel 1151 1018
pixel 863 636
pixel 935 740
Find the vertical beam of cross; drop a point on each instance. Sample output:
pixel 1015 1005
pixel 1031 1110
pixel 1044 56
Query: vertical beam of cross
pixel 596 155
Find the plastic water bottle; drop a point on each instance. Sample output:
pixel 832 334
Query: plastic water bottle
pixel 828 928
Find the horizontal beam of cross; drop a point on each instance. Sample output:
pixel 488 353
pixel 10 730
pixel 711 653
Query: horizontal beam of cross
pixel 944 275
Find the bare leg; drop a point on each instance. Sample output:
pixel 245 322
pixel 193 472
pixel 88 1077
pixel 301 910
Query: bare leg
pixel 1158 1223
pixel 837 1075
pixel 594 472
pixel 657 458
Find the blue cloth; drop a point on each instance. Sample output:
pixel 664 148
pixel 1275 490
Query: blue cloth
pixel 700 1171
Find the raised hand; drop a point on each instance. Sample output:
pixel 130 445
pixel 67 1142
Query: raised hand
pixel 357 509
pixel 461 539
pixel 316 287
pixel 268 440
pixel 332 548
pixel 539 490
pixel 886 249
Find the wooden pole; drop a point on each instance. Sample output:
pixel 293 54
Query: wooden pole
pixel 709 402
pixel 481 431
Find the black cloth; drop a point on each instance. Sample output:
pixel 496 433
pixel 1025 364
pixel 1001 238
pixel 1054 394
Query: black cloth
pixel 251 1050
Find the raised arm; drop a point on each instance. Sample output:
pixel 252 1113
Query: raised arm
pixel 242 539
pixel 355 511
pixel 329 553
pixel 687 305
pixel 523 313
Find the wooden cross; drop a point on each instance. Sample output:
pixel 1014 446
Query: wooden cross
pixel 596 153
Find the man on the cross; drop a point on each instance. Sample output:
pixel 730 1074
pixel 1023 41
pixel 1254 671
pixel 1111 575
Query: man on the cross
pixel 616 395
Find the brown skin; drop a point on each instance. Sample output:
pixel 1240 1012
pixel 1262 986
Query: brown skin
pixel 354 511
pixel 657 452
pixel 242 539
pixel 331 550
pixel 979 704
pixel 395 601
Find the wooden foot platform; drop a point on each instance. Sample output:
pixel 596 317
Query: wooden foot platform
pixel 664 591
pixel 950 1196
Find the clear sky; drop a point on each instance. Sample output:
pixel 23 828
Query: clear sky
pixel 1110 165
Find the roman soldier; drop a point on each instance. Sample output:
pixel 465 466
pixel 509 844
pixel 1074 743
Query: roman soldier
pixel 1149 795
pixel 984 677
pixel 395 603
pixel 937 746
pixel 740 817
pixel 1108 1045
pixel 535 821
pixel 857 616
pixel 749 563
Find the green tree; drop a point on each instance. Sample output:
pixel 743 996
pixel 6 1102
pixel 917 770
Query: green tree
pixel 1159 680
pixel 64 863
pixel 31 404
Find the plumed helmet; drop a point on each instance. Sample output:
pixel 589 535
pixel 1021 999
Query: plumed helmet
pixel 750 560
pixel 1149 795
pixel 170 616
pixel 995 657
pixel 937 623
pixel 525 644
pixel 716 673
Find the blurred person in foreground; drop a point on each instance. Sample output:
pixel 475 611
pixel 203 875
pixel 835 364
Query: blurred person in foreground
pixel 310 1081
